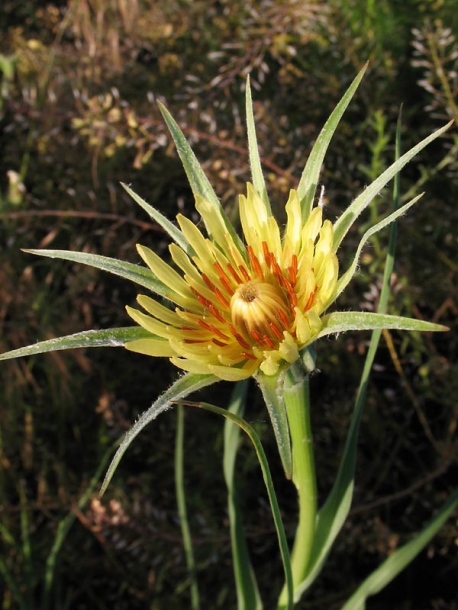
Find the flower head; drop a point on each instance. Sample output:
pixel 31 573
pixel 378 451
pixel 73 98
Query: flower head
pixel 241 307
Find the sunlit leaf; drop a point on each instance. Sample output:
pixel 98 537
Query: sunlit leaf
pixel 172 230
pixel 348 275
pixel 348 217
pixel 112 337
pixel 257 176
pixel 140 275
pixel 200 185
pixel 344 321
pixel 310 176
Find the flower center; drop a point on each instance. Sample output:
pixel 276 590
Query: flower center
pixel 260 313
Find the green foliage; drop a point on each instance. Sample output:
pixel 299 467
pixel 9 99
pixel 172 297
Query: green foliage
pixel 77 114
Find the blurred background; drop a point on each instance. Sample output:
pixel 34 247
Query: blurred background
pixel 78 85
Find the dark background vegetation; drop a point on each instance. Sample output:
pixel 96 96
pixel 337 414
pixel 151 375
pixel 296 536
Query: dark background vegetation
pixel 79 80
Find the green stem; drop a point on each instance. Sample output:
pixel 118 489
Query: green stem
pixel 297 400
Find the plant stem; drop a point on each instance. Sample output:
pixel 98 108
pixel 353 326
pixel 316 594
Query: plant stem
pixel 297 400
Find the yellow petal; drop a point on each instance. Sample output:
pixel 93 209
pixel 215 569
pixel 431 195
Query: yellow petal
pixel 151 347
pixel 158 311
pixel 164 272
pixel 147 322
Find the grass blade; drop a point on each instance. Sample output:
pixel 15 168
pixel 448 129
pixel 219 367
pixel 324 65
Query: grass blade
pixel 248 597
pixel 400 559
pixel 182 511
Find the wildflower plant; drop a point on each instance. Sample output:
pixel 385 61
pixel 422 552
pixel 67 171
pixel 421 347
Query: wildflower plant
pixel 231 307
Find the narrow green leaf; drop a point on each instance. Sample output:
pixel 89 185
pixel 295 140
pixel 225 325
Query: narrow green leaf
pixel 172 230
pixel 111 337
pixel 16 588
pixel 310 176
pixel 400 559
pixel 272 391
pixel 182 509
pixel 343 321
pixel 257 175
pixel 348 217
pixel 140 275
pixel 198 181
pixel 180 389
pixel 251 432
pixel 248 597
pixel 348 275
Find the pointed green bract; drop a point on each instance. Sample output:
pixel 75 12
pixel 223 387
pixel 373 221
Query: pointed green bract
pixel 184 386
pixel 112 337
pixel 139 275
pixel 311 174
pixel 257 176
pixel 198 181
pixel 172 230
pixel 343 321
pixel 348 217
pixel 346 278
pixel 400 559
pixel 272 391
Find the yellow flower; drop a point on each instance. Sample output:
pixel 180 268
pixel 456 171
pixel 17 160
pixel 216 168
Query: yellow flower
pixel 237 308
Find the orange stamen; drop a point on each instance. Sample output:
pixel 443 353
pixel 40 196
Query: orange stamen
pixel 283 319
pixel 208 281
pixel 255 265
pixel 212 329
pixel 310 300
pixel 220 296
pixel 202 300
pixel 292 294
pixel 275 331
pixel 216 313
pixel 234 273
pixel 293 270
pixel 256 336
pixel 267 254
pixel 225 282
pixel 277 272
pixel 248 355
pixel 239 337
pixel 244 272
pixel 268 342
